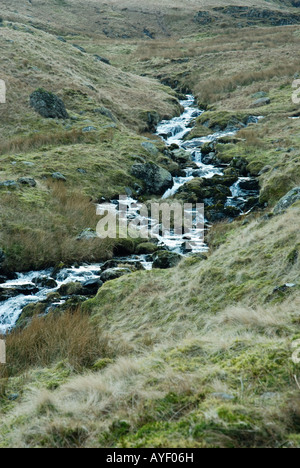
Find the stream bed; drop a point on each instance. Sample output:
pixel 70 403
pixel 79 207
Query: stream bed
pixel 34 287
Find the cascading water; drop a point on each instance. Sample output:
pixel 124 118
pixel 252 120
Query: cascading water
pixel 172 132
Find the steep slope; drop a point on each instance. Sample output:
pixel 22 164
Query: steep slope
pixel 196 356
pixel 93 150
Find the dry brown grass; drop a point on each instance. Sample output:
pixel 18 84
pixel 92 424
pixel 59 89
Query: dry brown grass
pixel 31 142
pixel 53 338
pixel 66 214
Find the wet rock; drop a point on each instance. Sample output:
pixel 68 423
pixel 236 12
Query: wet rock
pixel 48 105
pixel 241 165
pixel 27 181
pixel 45 282
pixel 92 286
pixel 71 289
pixel 251 185
pixel 146 248
pixel 157 180
pixel 211 159
pixel 207 148
pixel 180 156
pixel 288 200
pixel 215 213
pixel 207 191
pixel 164 259
pixel 124 247
pixel 25 290
pixel 114 273
pixel 30 311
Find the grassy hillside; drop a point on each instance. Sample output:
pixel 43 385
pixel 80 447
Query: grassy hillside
pixel 114 104
pixel 196 356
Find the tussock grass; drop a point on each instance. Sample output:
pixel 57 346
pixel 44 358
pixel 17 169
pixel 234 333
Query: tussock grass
pixel 66 213
pixel 47 340
pixel 24 144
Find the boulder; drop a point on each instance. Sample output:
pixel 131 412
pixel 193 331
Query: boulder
pixel 48 105
pixel 157 180
pixel 27 181
pixel 11 184
pixel 114 273
pixel 250 184
pixel 58 176
pixel 98 58
pixel 92 286
pixel 71 289
pixel 45 282
pixel 288 200
pixel 164 259
pixel 146 248
pixel 150 148
pixel 261 102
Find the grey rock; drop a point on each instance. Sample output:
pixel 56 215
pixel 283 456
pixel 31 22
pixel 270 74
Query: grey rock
pixel 164 260
pixel 79 48
pixel 89 129
pixel 87 234
pixel 107 113
pixel 157 180
pixel 114 273
pixel 261 102
pixel 45 282
pixel 48 105
pixel 92 286
pixel 288 200
pixel 27 181
pixel 12 184
pixel 150 148
pixel 265 169
pixel 71 289
pixel 58 176
pixel 259 95
pixel 98 58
